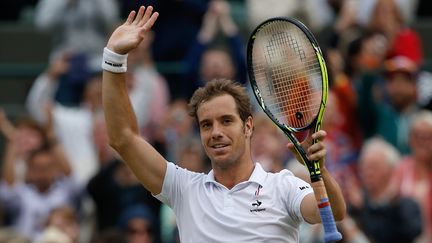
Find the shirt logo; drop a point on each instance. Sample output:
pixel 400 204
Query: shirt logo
pixel 303 187
pixel 256 204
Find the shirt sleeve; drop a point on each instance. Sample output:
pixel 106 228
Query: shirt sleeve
pixel 297 190
pixel 10 195
pixel 175 183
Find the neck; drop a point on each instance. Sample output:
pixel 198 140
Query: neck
pixel 382 193
pixel 229 177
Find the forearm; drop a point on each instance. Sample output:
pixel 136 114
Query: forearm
pixel 119 116
pixel 7 128
pixel 10 156
pixel 335 195
pixel 61 157
pixel 41 93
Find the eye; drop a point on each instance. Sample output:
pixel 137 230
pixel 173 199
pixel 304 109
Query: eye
pixel 227 121
pixel 205 126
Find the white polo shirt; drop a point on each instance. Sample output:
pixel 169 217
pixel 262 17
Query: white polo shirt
pixel 266 208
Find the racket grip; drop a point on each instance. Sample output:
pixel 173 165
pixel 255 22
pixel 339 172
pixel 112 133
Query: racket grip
pixel 330 231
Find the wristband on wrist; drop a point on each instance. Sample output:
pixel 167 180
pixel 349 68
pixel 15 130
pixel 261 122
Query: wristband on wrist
pixel 114 62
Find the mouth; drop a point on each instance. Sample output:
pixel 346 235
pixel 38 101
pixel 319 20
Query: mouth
pixel 219 147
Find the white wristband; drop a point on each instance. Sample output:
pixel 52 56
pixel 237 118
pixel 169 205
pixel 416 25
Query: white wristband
pixel 114 62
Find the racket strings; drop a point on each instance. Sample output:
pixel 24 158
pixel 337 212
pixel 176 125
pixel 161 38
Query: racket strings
pixel 288 74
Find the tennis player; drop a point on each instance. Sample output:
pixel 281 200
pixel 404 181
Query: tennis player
pixel 237 201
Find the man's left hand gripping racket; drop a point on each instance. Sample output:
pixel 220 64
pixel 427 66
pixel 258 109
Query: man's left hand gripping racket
pixel 289 78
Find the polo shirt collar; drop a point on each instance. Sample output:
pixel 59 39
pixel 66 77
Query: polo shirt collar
pixel 258 176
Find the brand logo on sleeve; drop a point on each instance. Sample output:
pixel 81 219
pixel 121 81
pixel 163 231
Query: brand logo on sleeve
pixel 303 187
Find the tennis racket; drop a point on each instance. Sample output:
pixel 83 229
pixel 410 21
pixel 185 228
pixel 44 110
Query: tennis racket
pixel 289 78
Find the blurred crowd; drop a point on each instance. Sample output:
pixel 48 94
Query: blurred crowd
pixel 62 182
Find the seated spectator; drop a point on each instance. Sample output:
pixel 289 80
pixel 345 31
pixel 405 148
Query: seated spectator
pixel 48 185
pixel 61 227
pixel 413 175
pixel 138 222
pixel 114 188
pixel 381 213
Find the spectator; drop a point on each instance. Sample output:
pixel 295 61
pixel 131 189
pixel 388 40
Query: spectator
pixel 380 212
pixel 22 138
pixel 77 25
pixel 413 176
pixel 388 111
pixel 48 185
pixel 73 124
pixel 115 188
pixel 403 41
pixel 138 222
pixel 204 62
pixel 61 226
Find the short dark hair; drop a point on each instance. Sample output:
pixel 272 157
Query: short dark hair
pixel 220 87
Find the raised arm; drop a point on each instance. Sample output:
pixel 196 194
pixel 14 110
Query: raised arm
pixel 146 163
pixel 309 209
pixel 11 149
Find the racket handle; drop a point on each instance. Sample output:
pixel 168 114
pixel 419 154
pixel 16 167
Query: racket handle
pixel 330 231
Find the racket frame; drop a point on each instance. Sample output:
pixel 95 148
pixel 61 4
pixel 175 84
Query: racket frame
pixel 312 166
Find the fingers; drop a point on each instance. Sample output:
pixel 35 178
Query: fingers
pixel 139 15
pixel 151 21
pixel 131 17
pixel 317 151
pixel 146 16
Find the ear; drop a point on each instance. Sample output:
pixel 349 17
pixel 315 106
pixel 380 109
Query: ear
pixel 248 126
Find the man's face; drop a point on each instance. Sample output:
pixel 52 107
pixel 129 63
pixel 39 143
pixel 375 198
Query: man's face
pixel 139 231
pixel 42 171
pixel 28 140
pixel 402 89
pixel 216 64
pixel 374 171
pixel 225 137
pixel 421 141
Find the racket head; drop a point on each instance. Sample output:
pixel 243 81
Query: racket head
pixel 288 74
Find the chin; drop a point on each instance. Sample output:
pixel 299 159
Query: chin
pixel 222 163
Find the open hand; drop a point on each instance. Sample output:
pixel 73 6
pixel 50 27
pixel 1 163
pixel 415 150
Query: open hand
pixel 128 35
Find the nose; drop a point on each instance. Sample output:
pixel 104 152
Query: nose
pixel 216 131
